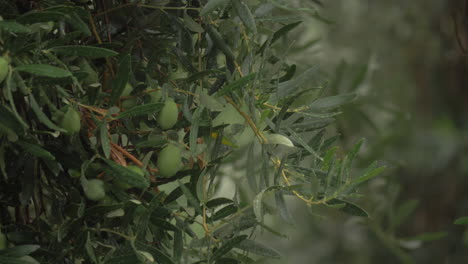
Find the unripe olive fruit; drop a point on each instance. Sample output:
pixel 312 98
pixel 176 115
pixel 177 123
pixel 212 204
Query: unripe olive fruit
pixel 134 168
pixel 155 96
pixel 3 68
pixel 71 121
pixel 94 189
pixel 3 241
pixel 169 161
pixel 168 116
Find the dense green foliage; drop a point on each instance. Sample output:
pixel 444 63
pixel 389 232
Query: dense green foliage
pixel 85 99
pixel 404 60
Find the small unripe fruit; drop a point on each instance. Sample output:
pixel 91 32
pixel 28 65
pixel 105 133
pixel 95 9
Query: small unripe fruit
pixel 134 168
pixel 168 116
pixel 169 161
pixel 3 68
pixel 155 96
pixel 71 121
pixel 94 189
pixel 3 241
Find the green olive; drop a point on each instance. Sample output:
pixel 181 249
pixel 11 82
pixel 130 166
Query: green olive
pixel 3 241
pixel 127 90
pixel 155 96
pixel 3 68
pixel 168 115
pixel 169 161
pixel 71 121
pixel 94 189
pixel 74 173
pixel 125 186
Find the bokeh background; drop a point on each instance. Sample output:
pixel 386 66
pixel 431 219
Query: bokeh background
pixel 407 62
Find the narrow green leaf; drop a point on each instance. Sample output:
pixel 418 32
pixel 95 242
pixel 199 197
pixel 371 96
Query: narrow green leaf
pixel 8 119
pixel 278 34
pixel 370 173
pixel 224 212
pixel 160 256
pixel 227 261
pixel 354 151
pixel 123 259
pixel 218 40
pixel 178 245
pixel 140 110
pixel 44 16
pixel 41 116
pixel 84 51
pixel 174 195
pixel 237 84
pixel 202 74
pixel 279 139
pixel 245 15
pixel 288 8
pixel 258 248
pixel 332 101
pixel 212 5
pixel 8 92
pixel 194 129
pixel 227 246
pixel 192 200
pixel 329 158
pixel 89 249
pixel 192 24
pixel 44 70
pixel 300 141
pixel 105 143
pixel 151 143
pixel 404 211
pixel 77 23
pixel 291 70
pixel 461 221
pixel 35 150
pixel 291 87
pixel 311 125
pixel 14 27
pixel 258 202
pixel 218 202
pixel 163 224
pixel 349 207
pixel 359 78
pixel 19 251
pixel 122 76
pixel 283 209
pixel 429 236
pixel 283 31
pixel 128 176
pixel 10 260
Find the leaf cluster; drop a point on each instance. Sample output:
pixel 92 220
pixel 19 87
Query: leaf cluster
pixel 115 63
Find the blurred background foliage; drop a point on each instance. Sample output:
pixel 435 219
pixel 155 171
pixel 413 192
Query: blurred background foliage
pixel 406 60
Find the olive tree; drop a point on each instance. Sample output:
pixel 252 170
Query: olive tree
pixel 120 121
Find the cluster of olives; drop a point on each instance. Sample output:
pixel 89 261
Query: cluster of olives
pixel 169 160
